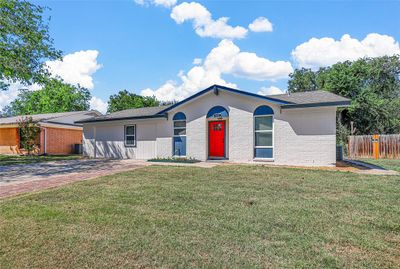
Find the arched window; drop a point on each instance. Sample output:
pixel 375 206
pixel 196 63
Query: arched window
pixel 264 132
pixel 217 112
pixel 179 120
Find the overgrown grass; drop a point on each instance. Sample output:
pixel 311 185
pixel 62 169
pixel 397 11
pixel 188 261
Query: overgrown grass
pixel 18 159
pixel 223 217
pixel 391 164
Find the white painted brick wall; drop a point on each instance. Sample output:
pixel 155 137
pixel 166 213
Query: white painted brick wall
pixel 301 136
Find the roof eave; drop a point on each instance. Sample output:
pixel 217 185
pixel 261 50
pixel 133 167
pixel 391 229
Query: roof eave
pixel 218 87
pixel 122 118
pixel 322 104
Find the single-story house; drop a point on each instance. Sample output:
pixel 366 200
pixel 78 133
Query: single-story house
pixel 59 132
pixel 223 123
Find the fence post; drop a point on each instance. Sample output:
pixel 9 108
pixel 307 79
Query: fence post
pixel 375 141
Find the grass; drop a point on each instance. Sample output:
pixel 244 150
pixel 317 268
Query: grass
pixel 18 159
pixel 391 164
pixel 223 217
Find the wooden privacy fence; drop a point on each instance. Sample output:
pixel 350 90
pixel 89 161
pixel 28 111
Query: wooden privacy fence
pixel 362 146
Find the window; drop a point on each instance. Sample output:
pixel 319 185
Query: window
pixel 130 135
pixel 179 134
pixel 264 132
pixel 180 127
pixel 217 112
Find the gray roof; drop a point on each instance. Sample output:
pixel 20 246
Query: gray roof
pixel 144 112
pixel 294 100
pixel 310 97
pixel 67 118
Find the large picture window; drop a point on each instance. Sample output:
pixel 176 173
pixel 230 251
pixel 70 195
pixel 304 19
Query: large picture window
pixel 264 132
pixel 179 134
pixel 130 135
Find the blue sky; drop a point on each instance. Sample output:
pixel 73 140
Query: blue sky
pixel 139 47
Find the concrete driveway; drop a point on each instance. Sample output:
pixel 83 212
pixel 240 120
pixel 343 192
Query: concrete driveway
pixel 17 179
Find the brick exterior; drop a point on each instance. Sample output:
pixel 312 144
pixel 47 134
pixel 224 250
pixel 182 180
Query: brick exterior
pixel 9 141
pixel 61 141
pixel 303 136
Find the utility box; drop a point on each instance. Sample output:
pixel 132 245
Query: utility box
pixel 339 153
pixel 78 149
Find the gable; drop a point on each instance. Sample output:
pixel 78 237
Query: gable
pixel 216 89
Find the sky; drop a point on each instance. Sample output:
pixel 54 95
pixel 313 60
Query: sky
pixel 171 49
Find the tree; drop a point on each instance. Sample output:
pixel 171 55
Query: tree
pixel 302 80
pixel 29 134
pixel 55 96
pixel 373 85
pixel 24 43
pixel 126 100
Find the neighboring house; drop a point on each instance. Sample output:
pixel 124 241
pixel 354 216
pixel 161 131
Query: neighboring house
pixel 59 132
pixel 223 123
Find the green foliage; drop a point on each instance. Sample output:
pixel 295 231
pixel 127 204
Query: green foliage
pixel 126 100
pixel 29 134
pixel 24 42
pixel 373 84
pixel 55 96
pixel 302 80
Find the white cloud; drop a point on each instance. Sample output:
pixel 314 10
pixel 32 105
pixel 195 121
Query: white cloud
pixel 76 68
pixel 251 66
pixel 203 23
pixel 226 58
pixel 327 51
pixel 164 3
pixel 98 104
pixel 261 24
pixel 197 61
pixel 270 91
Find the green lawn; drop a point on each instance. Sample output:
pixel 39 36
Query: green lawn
pixel 17 159
pixel 392 164
pixel 224 217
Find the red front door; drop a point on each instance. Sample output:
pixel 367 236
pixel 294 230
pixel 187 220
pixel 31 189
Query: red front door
pixel 216 133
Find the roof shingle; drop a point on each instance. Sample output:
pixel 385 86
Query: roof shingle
pixel 300 99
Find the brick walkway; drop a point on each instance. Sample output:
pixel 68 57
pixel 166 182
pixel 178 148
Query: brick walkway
pixel 19 179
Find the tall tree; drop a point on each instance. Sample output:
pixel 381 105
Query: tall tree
pixel 25 42
pixel 373 84
pixel 55 96
pixel 126 100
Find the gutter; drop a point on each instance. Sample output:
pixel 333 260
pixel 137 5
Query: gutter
pixel 336 103
pixel 123 118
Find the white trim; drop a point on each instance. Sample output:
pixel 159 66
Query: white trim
pixel 174 135
pixel 45 141
pixel 61 126
pixel 95 142
pixel 11 125
pixel 134 135
pixel 179 128
pixel 272 131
